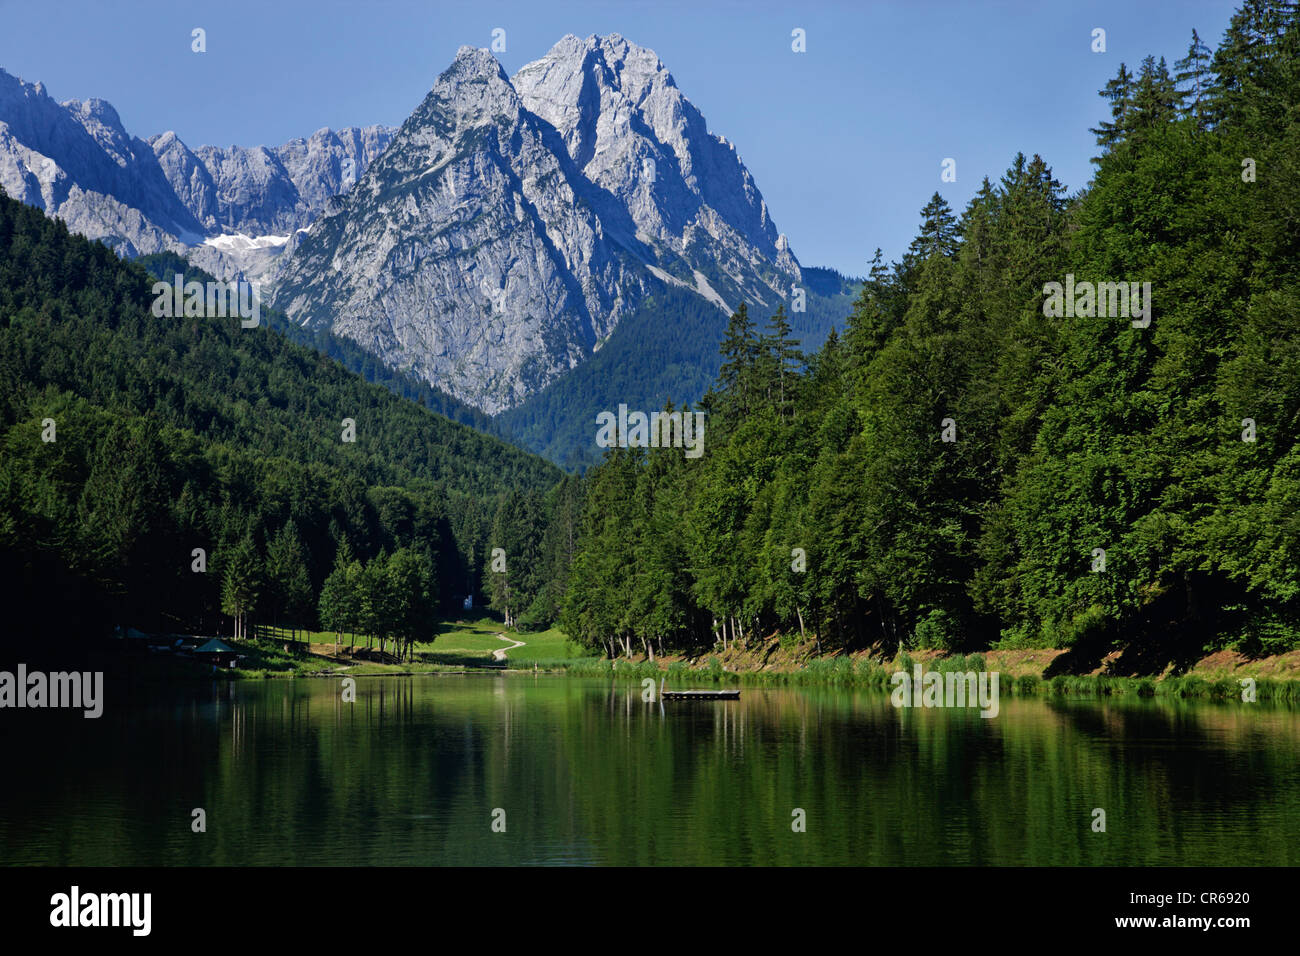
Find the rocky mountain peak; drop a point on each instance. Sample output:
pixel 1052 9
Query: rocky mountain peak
pixel 77 162
pixel 473 86
pixel 512 223
pixel 633 133
pixel 490 246
pixel 14 86
pixel 101 111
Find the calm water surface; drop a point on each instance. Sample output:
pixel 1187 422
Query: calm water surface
pixel 412 772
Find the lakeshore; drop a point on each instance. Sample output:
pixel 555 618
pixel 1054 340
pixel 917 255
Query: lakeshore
pixel 485 645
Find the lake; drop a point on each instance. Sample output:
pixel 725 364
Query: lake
pixel 520 769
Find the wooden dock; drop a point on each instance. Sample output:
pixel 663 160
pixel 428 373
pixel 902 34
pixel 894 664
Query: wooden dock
pixel 701 695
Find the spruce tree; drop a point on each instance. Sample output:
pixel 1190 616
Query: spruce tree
pixel 1193 78
pixel 1118 92
pixel 287 577
pixel 784 360
pixel 740 352
pixel 242 584
pixel 874 315
pixel 1155 96
pixel 938 235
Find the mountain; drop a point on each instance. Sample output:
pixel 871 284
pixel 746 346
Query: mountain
pixel 263 191
pixel 633 134
pixel 472 253
pixel 75 161
pixel 232 210
pixel 649 362
pixel 481 258
pixel 252 200
pixel 175 434
pixel 513 224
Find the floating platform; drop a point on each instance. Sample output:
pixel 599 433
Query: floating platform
pixel 701 695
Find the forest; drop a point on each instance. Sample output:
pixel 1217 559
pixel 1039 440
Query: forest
pixel 959 466
pixel 958 469
pixel 192 476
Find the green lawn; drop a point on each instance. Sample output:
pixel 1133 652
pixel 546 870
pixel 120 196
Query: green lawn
pixel 547 645
pixel 479 638
pixel 463 641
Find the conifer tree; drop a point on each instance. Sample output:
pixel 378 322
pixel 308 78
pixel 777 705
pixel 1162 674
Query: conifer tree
pixel 287 578
pixel 873 317
pixel 1193 78
pixel 1257 65
pixel 782 362
pixel 740 352
pixel 241 584
pixel 1155 96
pixel 1118 92
pixel 938 235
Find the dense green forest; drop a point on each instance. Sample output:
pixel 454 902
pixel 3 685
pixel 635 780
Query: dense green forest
pixel 132 443
pixel 968 462
pixel 959 468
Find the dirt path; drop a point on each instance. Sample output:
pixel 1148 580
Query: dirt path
pixel 500 653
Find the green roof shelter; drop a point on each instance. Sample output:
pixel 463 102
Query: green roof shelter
pixel 219 653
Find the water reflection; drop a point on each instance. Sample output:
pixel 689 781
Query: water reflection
pixel 590 772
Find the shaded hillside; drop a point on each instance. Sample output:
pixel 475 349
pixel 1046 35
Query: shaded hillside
pixel 175 434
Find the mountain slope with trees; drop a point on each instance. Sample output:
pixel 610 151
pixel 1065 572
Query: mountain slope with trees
pixel 664 352
pixel 963 466
pixel 186 474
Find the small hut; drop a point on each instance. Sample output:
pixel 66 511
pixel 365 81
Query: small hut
pixel 218 653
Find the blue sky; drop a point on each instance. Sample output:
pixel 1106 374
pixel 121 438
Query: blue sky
pixel 845 140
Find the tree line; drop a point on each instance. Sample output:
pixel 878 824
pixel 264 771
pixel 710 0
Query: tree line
pixel 191 476
pixel 958 469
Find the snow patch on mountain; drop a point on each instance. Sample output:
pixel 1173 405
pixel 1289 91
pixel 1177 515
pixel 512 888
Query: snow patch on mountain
pixel 238 242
